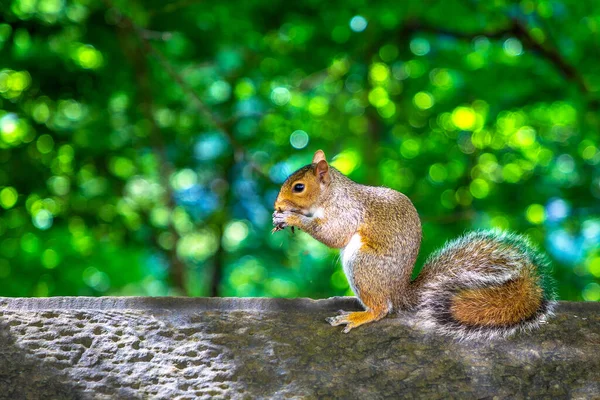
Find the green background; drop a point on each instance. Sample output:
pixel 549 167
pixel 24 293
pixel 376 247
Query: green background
pixel 142 144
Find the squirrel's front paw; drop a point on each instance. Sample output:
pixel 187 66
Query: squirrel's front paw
pixel 284 219
pixel 279 218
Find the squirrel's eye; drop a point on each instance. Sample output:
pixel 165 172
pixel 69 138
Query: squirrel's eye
pixel 298 187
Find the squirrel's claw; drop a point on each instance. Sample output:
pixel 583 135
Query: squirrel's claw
pixel 348 328
pixel 277 228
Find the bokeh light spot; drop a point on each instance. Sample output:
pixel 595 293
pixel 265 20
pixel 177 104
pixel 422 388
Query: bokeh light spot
pixel 438 172
pixel 463 196
pixel 71 109
pixel 500 222
pixel 339 281
pixel 50 259
pixel 378 97
pixel 220 91
pixel 379 72
pixel 535 214
pixel 280 96
pixel 591 292
pixel 594 266
pixel 235 233
pixel 565 163
pixel 184 179
pixel 88 57
pixel 160 217
pixel 347 161
pixel 30 243
pixel 45 144
pixel 19 81
pixel 318 106
pixel 589 152
pixel 479 188
pixel 43 219
pixel 513 47
pixel 525 137
pixel 50 6
pixel 210 146
pixel 557 210
pixel 423 100
pixel 197 246
pixel 60 185
pixel 410 148
pixel 11 129
pixel 299 139
pixel 441 78
pixel 358 23
pixel 464 118
pixel 244 89
pixel 40 112
pixel 415 68
pixel 388 110
pixel 122 167
pixel 512 173
pixel 419 46
pixel 448 199
pixel 96 279
pixel 8 197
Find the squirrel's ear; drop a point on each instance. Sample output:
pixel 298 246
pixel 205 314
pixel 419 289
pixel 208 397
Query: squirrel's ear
pixel 322 171
pixel 319 155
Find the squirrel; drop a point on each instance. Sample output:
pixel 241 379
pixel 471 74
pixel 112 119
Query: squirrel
pixel 485 284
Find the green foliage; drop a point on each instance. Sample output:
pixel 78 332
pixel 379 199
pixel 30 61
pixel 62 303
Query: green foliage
pixel 142 144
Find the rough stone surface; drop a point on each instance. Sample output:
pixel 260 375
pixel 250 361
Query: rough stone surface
pixel 165 348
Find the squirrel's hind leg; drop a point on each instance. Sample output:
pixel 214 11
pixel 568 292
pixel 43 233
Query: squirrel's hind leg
pixel 376 307
pixel 369 280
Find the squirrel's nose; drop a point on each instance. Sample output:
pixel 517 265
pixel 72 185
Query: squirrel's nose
pixel 281 204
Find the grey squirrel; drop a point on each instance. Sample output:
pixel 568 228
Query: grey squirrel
pixel 484 284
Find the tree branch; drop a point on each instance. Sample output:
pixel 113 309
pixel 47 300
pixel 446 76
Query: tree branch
pixel 517 29
pixel 240 153
pixel 177 268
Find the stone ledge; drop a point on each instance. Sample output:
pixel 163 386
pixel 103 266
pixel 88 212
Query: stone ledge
pixel 134 347
pixel 180 304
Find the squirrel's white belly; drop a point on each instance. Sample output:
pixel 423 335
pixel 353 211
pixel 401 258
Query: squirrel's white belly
pixel 348 254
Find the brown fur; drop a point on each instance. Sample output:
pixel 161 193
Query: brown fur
pixel 369 244
pixel 508 304
pixel 483 257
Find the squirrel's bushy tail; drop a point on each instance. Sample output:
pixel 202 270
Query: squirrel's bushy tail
pixel 485 284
